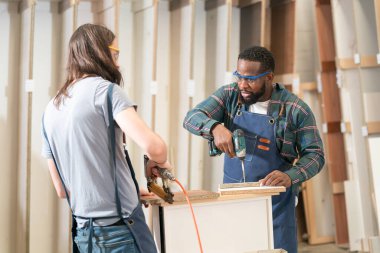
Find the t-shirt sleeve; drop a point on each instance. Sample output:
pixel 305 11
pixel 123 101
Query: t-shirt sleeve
pixel 120 100
pixel 46 151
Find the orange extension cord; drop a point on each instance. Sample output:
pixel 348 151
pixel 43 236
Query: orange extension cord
pixel 192 213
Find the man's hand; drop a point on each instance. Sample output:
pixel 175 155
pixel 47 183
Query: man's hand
pixel 223 140
pixel 276 178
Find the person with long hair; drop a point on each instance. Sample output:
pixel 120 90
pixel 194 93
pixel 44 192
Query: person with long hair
pixel 82 140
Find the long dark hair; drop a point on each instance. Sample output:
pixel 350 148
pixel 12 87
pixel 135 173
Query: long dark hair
pixel 89 55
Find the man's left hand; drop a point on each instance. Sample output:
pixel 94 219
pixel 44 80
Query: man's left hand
pixel 276 178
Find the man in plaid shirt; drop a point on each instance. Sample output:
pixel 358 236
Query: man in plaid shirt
pixel 284 147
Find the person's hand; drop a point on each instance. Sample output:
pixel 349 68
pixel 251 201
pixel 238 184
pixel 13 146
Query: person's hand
pixel 152 171
pixel 145 193
pixel 276 178
pixel 223 140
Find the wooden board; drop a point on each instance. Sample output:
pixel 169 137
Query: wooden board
pixel 250 35
pixel 179 197
pixel 252 190
pixel 282 36
pixel 334 140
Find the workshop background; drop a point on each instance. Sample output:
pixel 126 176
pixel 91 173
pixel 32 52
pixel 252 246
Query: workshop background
pixel 173 55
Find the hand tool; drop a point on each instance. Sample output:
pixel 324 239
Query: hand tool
pixel 164 191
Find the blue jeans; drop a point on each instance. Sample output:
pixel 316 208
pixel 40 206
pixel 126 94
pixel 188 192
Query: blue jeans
pixel 110 239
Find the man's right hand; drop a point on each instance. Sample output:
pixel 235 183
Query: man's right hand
pixel 223 140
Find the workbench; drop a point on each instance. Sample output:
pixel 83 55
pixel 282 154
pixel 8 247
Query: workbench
pixel 234 222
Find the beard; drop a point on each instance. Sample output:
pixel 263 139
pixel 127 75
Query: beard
pixel 253 97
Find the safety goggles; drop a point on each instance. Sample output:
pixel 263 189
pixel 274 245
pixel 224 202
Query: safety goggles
pixel 250 79
pixel 116 52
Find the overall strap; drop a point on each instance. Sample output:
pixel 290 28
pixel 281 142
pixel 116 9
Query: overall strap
pixel 112 137
pixel 111 132
pixel 132 172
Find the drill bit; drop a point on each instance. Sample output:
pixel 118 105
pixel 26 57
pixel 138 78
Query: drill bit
pixel 243 170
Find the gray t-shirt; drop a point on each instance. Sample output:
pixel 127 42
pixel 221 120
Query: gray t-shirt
pixel 78 137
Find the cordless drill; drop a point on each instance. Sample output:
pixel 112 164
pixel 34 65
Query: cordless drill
pixel 238 141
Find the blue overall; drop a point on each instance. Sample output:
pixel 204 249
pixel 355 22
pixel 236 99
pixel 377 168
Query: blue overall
pixel 136 221
pixel 263 157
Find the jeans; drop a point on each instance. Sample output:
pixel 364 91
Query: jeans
pixel 109 239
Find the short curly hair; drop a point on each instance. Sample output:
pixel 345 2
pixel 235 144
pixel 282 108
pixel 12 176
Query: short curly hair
pixel 259 54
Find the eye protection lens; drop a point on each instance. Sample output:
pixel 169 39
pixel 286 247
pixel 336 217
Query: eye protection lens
pixel 250 79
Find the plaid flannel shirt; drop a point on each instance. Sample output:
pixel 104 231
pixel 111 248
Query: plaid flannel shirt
pixel 297 136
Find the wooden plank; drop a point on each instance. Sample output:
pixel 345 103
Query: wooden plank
pixel 336 157
pixel 239 185
pixel 314 237
pixel 374 146
pixel 373 127
pixel 365 28
pixel 346 63
pixel 327 66
pixel 309 86
pixel 340 214
pixel 250 35
pixel 282 35
pixel 287 78
pixel 377 12
pixel 323 2
pixel 178 4
pixel 325 36
pixel 251 190
pixel 374 244
pixel 330 98
pixel 179 197
pixel 354 209
pixel 213 4
pixel 338 187
pixel 334 142
pixel 345 127
pixel 245 3
pixel 332 127
pixel 368 61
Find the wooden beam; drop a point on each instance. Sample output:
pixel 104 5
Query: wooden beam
pixel 377 11
pixel 346 63
pixel 212 4
pixel 178 4
pixel 283 36
pixel 328 66
pixel 334 141
pixel 323 2
pixel 368 61
pixel 308 86
pixel 245 3
pixel 373 127
pixel 337 187
pixel 285 78
pixel 331 127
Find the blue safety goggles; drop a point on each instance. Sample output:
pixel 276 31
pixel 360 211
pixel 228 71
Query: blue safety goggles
pixel 250 78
